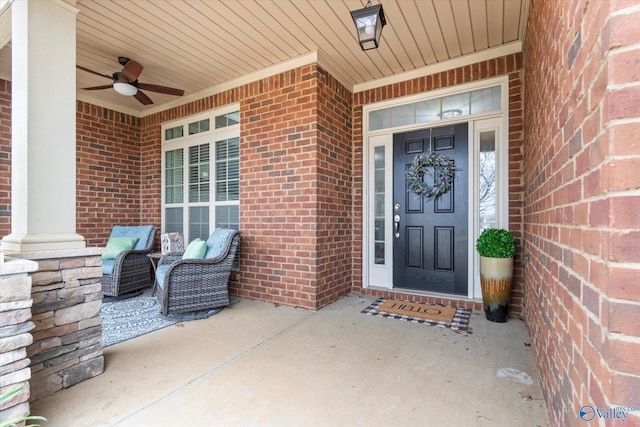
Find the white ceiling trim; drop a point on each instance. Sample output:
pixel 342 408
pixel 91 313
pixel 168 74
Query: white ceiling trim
pixel 294 63
pixel 461 61
pixel 311 58
pixel 81 96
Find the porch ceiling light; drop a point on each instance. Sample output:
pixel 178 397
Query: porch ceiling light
pixel 369 22
pixel 122 85
pixel 126 89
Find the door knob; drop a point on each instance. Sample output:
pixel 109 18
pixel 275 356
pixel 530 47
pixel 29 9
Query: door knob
pixel 396 225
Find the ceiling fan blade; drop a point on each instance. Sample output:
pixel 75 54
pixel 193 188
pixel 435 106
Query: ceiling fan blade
pixel 80 67
pixel 98 87
pixel 161 89
pixel 143 98
pixel 132 70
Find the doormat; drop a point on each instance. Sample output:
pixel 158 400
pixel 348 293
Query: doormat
pixel 445 317
pixel 423 311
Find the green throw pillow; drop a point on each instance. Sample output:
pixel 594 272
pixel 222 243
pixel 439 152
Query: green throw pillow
pixel 195 250
pixel 115 245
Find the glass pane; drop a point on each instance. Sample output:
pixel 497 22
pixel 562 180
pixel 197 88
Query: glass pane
pixel 233 118
pixel 448 107
pixel 173 133
pixel 198 223
pixel 379 230
pixel 380 119
pixel 379 181
pixel 228 169
pixel 428 111
pixel 200 126
pixel 228 119
pixel 228 217
pixel 485 100
pixel 379 199
pixel 379 205
pixel 199 173
pixel 455 105
pixel 173 220
pixel 403 115
pixel 378 157
pixel 487 178
pixel 173 176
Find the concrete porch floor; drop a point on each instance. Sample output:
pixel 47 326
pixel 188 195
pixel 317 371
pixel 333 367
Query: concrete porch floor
pixel 255 364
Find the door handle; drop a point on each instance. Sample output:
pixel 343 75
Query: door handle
pixel 396 225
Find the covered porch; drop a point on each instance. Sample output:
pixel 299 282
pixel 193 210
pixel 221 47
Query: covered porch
pixel 304 117
pixel 257 364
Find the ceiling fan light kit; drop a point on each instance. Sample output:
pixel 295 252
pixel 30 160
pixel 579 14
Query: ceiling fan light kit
pixel 125 89
pixel 126 83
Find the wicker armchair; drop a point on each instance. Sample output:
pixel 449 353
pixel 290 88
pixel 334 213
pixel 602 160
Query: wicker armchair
pixel 187 285
pixel 131 270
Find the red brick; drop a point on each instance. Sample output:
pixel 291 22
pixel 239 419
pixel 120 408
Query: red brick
pixel 624 318
pixel 626 389
pixel 624 282
pixel 625 246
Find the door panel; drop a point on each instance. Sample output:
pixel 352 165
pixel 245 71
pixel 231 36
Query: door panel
pixel 430 241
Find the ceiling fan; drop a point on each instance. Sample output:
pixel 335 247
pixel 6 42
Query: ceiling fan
pixel 126 82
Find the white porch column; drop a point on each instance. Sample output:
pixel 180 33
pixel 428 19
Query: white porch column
pixel 43 122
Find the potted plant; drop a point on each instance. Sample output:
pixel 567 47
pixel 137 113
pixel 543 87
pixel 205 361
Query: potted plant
pixel 496 247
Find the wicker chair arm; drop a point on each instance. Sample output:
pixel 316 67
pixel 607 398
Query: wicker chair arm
pixel 170 258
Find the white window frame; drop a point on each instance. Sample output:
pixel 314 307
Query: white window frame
pixel 381 276
pixel 207 137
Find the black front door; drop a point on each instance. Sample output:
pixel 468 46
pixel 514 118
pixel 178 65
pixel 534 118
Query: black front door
pixel 430 238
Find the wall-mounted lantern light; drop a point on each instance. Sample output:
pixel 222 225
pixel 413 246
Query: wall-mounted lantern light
pixel 369 22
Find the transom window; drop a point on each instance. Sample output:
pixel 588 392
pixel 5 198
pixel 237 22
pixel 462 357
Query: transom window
pixel 432 110
pixel 201 174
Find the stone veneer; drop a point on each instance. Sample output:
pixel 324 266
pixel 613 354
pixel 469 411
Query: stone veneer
pixel 15 312
pixel 67 297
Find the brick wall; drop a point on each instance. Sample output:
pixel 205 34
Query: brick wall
pixel 511 66
pixel 108 171
pixel 295 162
pixel 334 204
pixel 581 227
pixel 301 165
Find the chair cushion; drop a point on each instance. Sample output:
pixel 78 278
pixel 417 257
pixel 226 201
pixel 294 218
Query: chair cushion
pixel 217 242
pixel 115 245
pixel 160 273
pixel 195 250
pixel 142 232
pixel 108 265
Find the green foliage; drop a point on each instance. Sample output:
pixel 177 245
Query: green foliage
pixel 10 423
pixel 496 243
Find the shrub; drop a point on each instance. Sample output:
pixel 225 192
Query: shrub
pixel 496 243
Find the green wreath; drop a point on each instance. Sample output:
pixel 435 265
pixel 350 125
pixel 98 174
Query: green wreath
pixel 443 170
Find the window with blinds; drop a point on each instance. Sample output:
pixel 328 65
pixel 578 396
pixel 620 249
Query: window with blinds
pixel 201 175
pixel 228 169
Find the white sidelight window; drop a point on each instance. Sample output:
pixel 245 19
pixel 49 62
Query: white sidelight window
pixel 201 174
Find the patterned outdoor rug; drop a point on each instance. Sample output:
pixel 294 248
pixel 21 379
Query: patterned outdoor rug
pixel 129 318
pixel 459 321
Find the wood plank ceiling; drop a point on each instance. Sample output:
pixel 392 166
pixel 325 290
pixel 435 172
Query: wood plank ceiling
pixel 201 45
